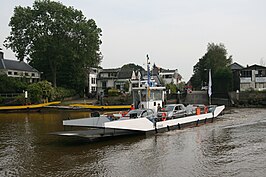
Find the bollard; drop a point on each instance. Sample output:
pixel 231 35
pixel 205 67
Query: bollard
pixel 197 122
pixel 179 127
pixel 168 128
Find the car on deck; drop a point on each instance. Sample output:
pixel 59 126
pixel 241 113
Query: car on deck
pixel 138 113
pixel 172 111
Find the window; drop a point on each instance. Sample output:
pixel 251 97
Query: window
pixel 15 73
pixel 33 74
pixel 26 74
pixel 245 73
pixel 104 84
pixel 111 74
pixel 93 80
pixel 168 76
pixel 9 73
pixel 93 88
pixel 261 73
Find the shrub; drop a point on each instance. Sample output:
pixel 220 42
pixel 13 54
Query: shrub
pixel 60 93
pixel 113 92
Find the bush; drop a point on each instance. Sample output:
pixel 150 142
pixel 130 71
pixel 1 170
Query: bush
pixel 41 91
pixel 11 85
pixel 113 92
pixel 60 93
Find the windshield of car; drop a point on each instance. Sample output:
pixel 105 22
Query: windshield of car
pixel 138 112
pixel 169 108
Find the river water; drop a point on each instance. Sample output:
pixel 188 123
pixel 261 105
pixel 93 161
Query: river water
pixel 234 145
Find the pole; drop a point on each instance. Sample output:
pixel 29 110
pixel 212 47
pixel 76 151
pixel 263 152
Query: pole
pixel 210 86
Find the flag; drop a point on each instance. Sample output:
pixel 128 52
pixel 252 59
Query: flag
pixel 210 84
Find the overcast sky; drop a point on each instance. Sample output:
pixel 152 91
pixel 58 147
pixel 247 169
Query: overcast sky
pixel 174 33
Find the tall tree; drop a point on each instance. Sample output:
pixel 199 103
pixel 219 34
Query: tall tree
pixel 215 59
pixel 54 37
pixel 132 67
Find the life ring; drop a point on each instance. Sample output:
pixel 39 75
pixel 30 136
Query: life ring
pixel 164 116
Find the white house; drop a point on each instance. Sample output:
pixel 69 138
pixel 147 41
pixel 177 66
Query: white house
pixel 92 80
pixel 170 76
pixel 18 69
pixel 253 77
pixel 106 79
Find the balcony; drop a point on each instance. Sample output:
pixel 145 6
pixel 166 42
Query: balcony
pixel 245 79
pixel 248 79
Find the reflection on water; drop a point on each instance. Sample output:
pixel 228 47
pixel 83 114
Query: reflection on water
pixel 234 145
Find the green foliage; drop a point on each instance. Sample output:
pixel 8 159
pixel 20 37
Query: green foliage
pixel 181 86
pixel 126 87
pixel 215 59
pixel 60 93
pixel 222 80
pixel 113 92
pixel 171 87
pixel 57 40
pixel 132 67
pixel 11 85
pixel 38 92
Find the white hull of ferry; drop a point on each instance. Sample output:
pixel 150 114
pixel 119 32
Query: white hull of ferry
pixel 103 127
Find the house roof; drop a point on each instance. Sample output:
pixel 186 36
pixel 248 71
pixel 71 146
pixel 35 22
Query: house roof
pixel 255 67
pixel 125 74
pixel 236 66
pixel 168 71
pixel 110 70
pixel 16 65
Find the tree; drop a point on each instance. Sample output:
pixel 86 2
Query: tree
pixel 172 87
pixel 132 67
pixel 12 85
pixel 56 40
pixel 215 59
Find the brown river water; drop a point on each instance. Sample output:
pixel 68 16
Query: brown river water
pixel 233 145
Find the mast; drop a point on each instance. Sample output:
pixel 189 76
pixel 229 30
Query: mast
pixel 210 86
pixel 148 82
pixel 148 70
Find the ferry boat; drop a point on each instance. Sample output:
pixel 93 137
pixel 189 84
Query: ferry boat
pixel 104 126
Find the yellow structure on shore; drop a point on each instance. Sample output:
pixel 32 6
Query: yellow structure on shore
pixel 111 107
pixel 28 106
